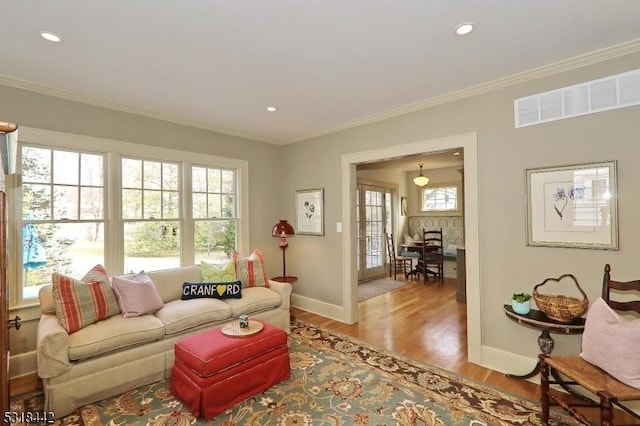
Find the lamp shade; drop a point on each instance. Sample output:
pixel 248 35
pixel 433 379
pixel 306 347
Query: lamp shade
pixel 421 180
pixel 282 228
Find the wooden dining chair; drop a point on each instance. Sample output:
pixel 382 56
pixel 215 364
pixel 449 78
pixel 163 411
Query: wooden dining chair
pixel 402 263
pixel 432 260
pixel 574 372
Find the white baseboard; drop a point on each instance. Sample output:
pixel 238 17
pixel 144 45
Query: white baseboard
pixel 327 310
pixel 23 364
pixel 508 362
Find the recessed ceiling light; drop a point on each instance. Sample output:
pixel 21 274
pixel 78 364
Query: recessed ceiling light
pixel 50 36
pixel 272 109
pixel 464 28
pixel 456 153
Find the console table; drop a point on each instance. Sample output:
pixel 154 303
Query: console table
pixel 539 321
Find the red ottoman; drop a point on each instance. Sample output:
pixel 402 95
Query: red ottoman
pixel 213 371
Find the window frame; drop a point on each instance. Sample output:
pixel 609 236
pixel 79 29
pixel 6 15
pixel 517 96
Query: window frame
pixel 21 221
pixel 114 150
pixel 437 186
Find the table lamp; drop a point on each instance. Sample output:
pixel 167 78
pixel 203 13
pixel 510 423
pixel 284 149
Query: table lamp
pixel 282 230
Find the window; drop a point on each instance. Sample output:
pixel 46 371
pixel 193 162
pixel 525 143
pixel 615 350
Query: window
pixel 62 214
pixel 75 208
pixel 440 198
pixel 150 212
pixel 214 213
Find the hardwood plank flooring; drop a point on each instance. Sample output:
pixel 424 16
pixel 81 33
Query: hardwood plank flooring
pixel 423 322
pixel 426 323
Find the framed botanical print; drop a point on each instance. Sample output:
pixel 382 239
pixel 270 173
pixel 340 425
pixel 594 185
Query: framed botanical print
pixel 573 206
pixel 310 212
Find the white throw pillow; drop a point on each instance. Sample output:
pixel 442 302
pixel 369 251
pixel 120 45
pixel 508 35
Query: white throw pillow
pixel 137 296
pixel 611 342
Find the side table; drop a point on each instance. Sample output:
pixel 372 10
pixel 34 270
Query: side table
pixel 539 321
pixel 287 279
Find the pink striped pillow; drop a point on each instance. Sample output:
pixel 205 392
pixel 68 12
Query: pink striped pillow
pixel 80 303
pixel 250 270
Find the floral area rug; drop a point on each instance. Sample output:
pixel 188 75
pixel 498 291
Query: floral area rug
pixel 335 380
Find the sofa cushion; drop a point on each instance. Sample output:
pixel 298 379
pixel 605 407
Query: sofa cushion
pixel 212 273
pixel 80 303
pixel 113 334
pixel 230 290
pixel 250 270
pixel 169 281
pixel 137 296
pixel 179 315
pixel 254 299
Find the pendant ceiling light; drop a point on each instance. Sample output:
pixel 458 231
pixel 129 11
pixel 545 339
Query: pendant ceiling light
pixel 421 180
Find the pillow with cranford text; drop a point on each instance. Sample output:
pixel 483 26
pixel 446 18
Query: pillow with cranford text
pixel 250 270
pixel 80 303
pixel 230 290
pixel 137 296
pixel 611 342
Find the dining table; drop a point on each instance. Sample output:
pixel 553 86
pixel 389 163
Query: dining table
pixel 417 247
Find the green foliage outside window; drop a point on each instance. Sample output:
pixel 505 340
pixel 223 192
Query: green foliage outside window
pixel 36 204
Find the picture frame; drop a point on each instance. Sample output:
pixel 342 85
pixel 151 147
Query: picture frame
pixel 310 211
pixel 573 206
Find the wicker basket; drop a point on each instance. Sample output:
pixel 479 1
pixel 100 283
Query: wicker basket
pixel 558 307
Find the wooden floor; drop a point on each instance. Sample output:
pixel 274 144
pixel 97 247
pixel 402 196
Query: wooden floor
pixel 426 323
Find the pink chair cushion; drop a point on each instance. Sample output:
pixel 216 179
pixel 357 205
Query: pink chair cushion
pixel 611 342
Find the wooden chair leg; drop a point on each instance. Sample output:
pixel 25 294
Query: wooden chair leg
pixel 606 408
pixel 544 389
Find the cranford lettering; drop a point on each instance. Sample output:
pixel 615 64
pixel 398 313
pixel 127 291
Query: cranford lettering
pixel 209 289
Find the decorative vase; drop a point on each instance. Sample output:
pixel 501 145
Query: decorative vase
pixel 522 308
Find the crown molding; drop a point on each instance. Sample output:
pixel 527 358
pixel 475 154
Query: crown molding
pixel 71 96
pixel 576 62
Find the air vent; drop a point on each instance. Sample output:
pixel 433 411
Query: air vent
pixel 618 91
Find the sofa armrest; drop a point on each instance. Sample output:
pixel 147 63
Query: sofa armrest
pixel 284 290
pixel 52 347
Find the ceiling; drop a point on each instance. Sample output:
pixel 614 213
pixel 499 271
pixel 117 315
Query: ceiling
pixel 327 65
pixel 411 163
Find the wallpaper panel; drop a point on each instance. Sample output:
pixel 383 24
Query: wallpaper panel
pixel 452 229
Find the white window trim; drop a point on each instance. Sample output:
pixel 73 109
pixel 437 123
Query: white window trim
pixel 441 212
pixel 114 150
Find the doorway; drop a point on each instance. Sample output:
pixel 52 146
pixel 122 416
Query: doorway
pixel 373 218
pixel 468 142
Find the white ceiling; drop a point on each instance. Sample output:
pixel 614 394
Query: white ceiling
pixel 411 163
pixel 326 64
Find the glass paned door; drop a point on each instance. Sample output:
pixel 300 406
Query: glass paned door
pixel 371 218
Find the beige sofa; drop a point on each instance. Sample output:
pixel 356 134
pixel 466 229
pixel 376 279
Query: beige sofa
pixel 119 354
